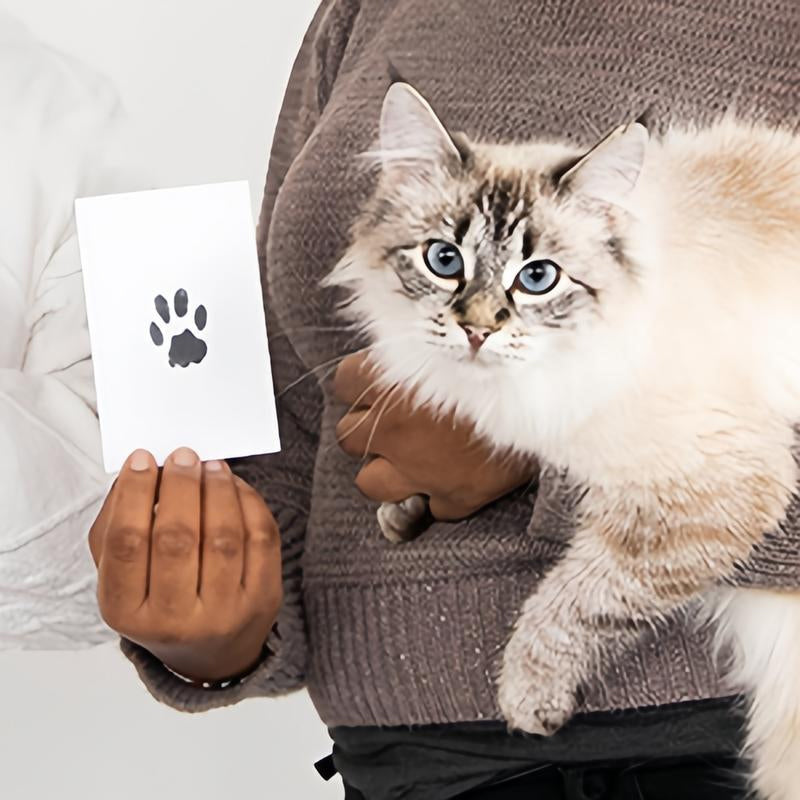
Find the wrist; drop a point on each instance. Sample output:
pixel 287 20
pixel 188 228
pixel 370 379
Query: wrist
pixel 232 677
pixel 206 668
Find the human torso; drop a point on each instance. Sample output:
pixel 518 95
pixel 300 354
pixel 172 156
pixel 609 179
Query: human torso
pixel 409 635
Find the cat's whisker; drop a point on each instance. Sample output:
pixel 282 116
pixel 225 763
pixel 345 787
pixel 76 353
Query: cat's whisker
pixel 591 127
pixel 366 415
pixel 378 399
pixel 314 329
pixel 313 371
pixel 386 397
pixel 363 394
pixel 384 410
pixel 335 362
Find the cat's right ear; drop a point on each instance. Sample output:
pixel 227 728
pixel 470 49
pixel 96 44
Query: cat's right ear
pixel 411 133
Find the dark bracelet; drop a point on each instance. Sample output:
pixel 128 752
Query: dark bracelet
pixel 227 682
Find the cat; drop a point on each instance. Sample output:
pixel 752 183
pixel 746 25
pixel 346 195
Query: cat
pixel 630 317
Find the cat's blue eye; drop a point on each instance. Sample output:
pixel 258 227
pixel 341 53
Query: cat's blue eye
pixel 444 259
pixel 537 277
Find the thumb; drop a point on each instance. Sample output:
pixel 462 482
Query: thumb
pixel 448 510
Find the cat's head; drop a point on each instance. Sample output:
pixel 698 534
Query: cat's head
pixel 491 254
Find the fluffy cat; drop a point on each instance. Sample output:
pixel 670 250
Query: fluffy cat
pixel 630 317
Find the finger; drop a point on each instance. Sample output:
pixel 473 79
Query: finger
pixel 222 557
pixel 262 561
pixel 100 525
pixel 356 381
pixel 448 510
pixel 374 430
pixel 125 542
pixel 352 432
pixel 380 480
pixel 175 550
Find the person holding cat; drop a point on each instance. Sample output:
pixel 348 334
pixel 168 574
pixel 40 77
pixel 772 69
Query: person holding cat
pixel 401 645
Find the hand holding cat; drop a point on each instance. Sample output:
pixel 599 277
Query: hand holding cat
pixel 415 451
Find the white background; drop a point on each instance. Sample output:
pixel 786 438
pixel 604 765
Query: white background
pixel 203 81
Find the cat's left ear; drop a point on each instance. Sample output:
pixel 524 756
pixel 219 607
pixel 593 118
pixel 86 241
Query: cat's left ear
pixel 609 171
pixel 410 131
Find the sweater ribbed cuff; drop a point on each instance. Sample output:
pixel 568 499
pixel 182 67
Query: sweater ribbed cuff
pixel 279 672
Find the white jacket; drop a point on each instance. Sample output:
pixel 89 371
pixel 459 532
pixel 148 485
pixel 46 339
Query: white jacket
pixel 59 127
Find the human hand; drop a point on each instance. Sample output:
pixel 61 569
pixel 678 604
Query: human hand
pixel 189 564
pixel 416 452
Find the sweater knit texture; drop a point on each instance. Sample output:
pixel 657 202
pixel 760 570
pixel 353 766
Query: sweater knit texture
pixel 383 634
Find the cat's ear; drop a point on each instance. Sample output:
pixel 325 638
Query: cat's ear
pixel 410 131
pixel 609 171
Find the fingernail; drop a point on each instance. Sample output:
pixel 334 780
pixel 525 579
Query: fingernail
pixel 184 457
pixel 214 466
pixel 140 460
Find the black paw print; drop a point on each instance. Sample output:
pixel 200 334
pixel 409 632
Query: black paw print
pixel 185 348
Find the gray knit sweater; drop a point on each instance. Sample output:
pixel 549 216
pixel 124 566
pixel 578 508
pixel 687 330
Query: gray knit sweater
pixel 384 634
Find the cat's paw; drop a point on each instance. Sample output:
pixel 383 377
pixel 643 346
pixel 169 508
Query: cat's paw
pixel 185 348
pixel 536 693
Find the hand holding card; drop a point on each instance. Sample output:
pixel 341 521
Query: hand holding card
pixel 176 323
pixel 198 584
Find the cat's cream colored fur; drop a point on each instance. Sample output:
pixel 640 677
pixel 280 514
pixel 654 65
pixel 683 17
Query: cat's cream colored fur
pixel 673 400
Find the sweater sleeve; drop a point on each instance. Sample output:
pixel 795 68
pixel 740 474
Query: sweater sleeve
pixel 284 479
pixel 775 562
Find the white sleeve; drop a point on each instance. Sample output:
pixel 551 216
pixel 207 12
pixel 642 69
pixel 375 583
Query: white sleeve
pixel 61 132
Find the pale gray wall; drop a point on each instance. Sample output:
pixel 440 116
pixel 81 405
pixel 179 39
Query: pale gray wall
pixel 202 80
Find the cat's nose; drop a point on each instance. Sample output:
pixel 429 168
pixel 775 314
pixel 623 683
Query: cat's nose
pixel 476 334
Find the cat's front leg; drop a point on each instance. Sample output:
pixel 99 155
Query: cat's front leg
pixel 618 575
pixel 545 661
pixel 553 648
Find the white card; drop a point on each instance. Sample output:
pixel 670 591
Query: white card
pixel 176 322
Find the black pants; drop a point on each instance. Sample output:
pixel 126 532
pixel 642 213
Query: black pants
pixel 696 778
